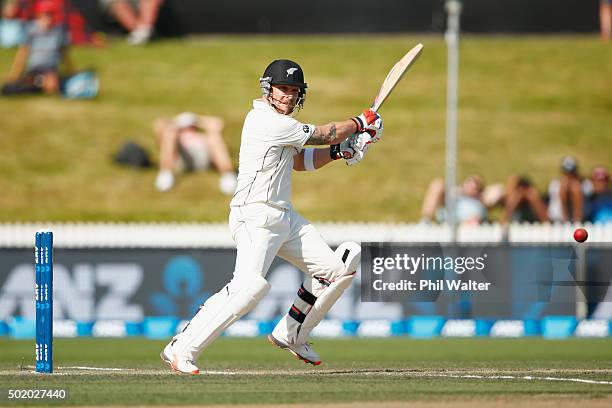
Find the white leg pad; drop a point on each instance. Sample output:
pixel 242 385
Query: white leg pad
pixel 324 302
pixel 232 302
pixel 350 253
pixel 292 331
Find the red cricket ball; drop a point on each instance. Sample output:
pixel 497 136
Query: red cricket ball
pixel 581 235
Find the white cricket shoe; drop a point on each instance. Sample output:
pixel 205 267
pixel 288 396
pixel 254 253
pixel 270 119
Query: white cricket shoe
pixel 180 365
pixel 228 183
pixel 164 180
pixel 302 351
pixel 140 35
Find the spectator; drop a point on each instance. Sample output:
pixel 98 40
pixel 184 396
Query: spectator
pixel 190 142
pixel 36 67
pixel 605 19
pixel 523 202
pixel 12 30
pixel 11 9
pixel 17 13
pixel 469 206
pixel 138 17
pixel 566 194
pixel 599 204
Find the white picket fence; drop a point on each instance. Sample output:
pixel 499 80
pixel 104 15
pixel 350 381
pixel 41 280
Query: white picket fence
pixel 217 235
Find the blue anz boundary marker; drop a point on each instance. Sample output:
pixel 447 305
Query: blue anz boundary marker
pixel 43 255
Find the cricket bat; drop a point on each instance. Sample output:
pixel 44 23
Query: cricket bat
pixel 394 76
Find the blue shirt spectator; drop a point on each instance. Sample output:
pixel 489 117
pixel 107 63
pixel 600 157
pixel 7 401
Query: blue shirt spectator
pixel 46 47
pixel 600 202
pixel 36 67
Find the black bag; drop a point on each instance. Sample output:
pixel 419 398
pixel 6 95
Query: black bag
pixel 134 155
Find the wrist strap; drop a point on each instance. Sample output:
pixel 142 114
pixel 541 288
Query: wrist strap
pixel 309 159
pixel 334 152
pixel 358 124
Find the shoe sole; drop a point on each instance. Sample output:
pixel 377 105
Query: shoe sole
pixel 170 364
pixel 282 346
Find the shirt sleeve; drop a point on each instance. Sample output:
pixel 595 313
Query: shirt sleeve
pixel 289 132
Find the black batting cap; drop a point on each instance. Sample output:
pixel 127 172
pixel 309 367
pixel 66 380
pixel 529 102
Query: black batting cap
pixel 285 72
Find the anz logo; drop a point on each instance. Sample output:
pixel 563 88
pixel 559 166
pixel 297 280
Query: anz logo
pixel 182 295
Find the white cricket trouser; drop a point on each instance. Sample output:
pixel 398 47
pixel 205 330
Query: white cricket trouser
pixel 261 232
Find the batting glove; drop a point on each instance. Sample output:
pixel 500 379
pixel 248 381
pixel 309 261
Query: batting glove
pixel 366 118
pixel 346 149
pixel 375 129
pixel 343 150
pixel 359 144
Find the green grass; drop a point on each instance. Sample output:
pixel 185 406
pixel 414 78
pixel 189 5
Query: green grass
pixel 525 102
pixel 353 370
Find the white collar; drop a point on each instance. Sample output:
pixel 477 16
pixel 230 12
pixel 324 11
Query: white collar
pixel 262 104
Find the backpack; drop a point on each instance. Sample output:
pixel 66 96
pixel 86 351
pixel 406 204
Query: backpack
pixel 133 155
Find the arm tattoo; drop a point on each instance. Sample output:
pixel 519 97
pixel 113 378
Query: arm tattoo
pixel 322 137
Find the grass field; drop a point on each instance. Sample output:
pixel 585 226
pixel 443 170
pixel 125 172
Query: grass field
pixel 525 102
pixel 440 372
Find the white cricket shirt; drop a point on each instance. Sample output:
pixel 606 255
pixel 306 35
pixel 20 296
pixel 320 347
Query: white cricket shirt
pixel 269 142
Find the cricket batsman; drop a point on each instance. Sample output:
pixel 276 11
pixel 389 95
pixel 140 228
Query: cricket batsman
pixel 264 224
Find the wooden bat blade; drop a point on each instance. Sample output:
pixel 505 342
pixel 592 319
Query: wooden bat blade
pixel 394 76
